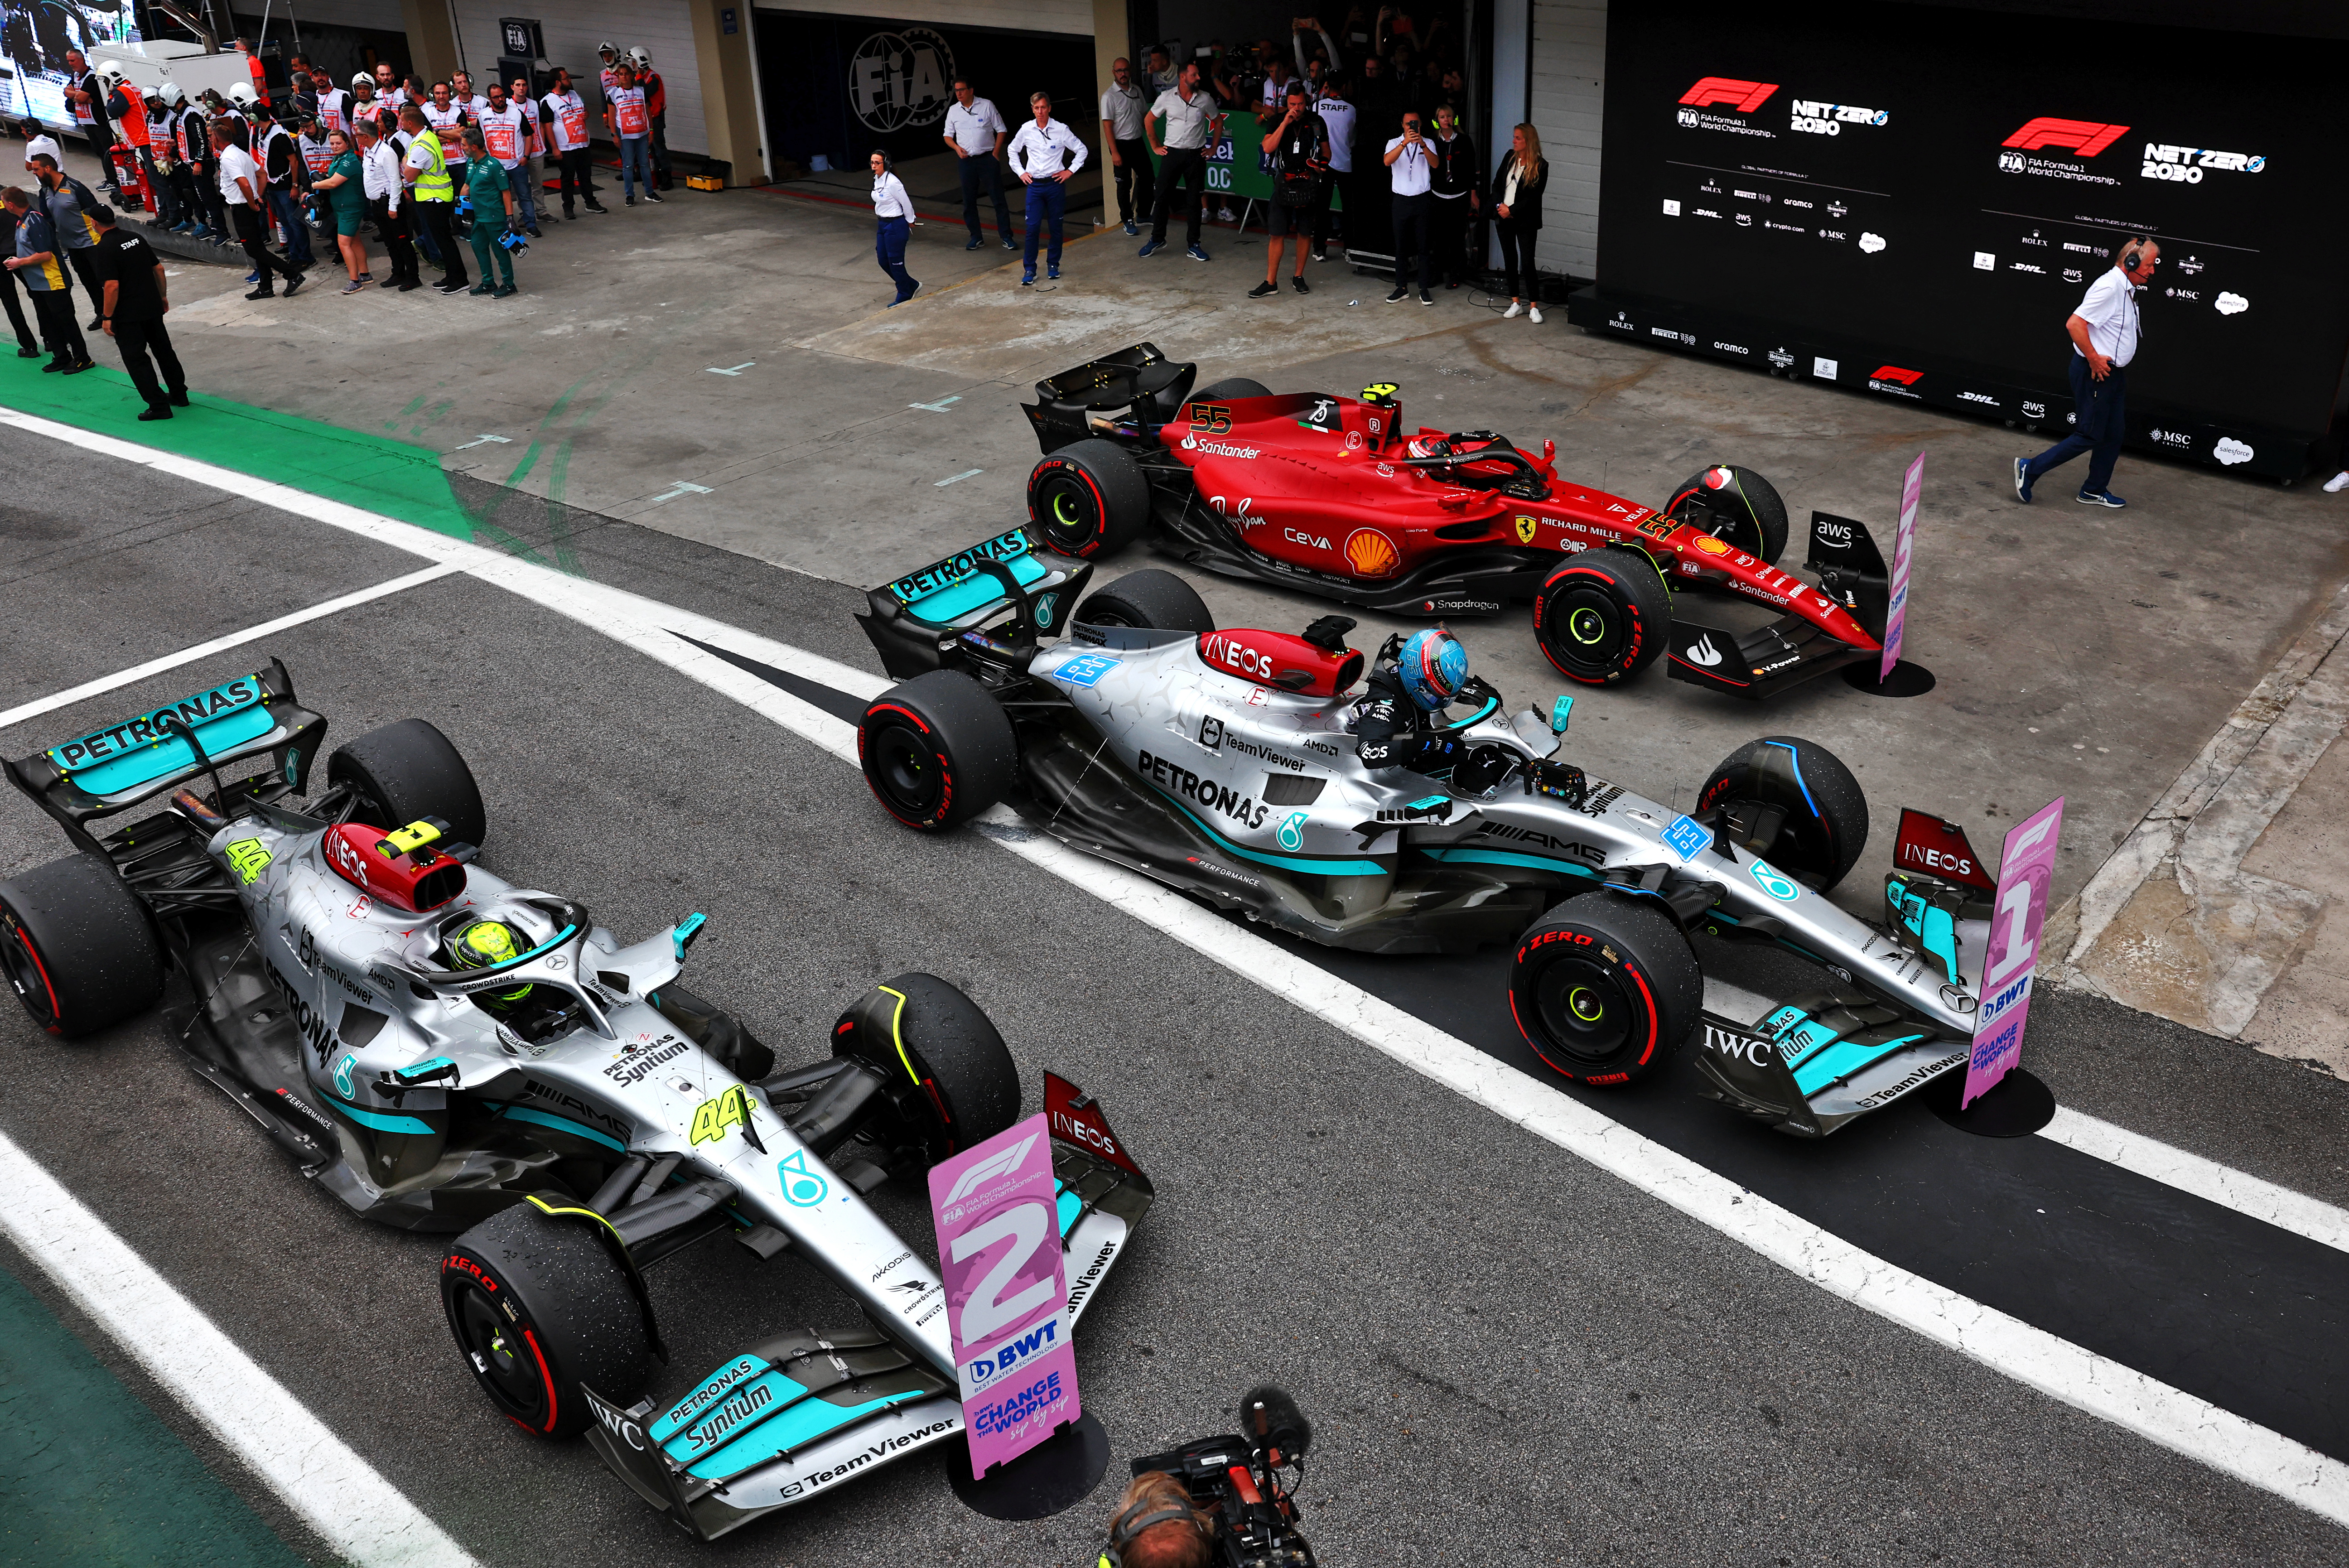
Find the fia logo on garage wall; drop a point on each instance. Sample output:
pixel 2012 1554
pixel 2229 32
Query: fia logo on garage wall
pixel 901 79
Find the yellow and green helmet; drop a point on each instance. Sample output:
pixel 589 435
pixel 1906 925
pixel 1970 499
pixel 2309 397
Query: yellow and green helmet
pixel 484 943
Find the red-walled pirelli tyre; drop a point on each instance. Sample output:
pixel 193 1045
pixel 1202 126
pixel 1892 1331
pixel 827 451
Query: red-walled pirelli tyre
pixel 1746 509
pixel 1603 986
pixel 921 1031
pixel 1603 616
pixel 77 947
pixel 937 749
pixel 1088 499
pixel 538 1306
pixel 1825 827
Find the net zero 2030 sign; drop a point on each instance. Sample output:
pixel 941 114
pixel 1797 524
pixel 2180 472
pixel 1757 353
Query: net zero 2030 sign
pixel 901 79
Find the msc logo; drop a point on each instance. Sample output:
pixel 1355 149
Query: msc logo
pixel 1742 97
pixel 2085 137
pixel 1895 373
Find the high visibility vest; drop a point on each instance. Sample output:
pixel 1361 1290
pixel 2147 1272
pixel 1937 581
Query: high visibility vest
pixel 432 182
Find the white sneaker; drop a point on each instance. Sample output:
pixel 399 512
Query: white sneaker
pixel 2337 483
pixel 1228 216
pixel 1516 307
pixel 1532 314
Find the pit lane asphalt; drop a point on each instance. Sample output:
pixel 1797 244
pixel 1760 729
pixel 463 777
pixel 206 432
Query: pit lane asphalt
pixel 1507 1356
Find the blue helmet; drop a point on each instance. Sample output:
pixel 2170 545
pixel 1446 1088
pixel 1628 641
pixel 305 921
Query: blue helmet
pixel 1433 667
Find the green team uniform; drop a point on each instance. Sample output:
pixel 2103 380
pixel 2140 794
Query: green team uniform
pixel 486 186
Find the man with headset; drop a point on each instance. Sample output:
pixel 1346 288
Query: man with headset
pixel 2104 335
pixel 1157 1526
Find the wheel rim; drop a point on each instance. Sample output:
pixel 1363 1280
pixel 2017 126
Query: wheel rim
pixel 24 975
pixel 906 771
pixel 501 1359
pixel 1583 1010
pixel 1068 511
pixel 1591 634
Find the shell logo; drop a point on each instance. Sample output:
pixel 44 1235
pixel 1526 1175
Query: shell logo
pixel 1372 554
pixel 1712 547
pixel 1525 528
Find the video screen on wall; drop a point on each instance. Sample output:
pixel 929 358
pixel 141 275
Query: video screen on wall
pixel 1946 181
pixel 33 37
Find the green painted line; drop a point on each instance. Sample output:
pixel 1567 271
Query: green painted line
pixel 90 1475
pixel 558 479
pixel 360 469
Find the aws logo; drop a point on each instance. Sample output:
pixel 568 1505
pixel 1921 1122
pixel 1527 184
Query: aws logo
pixel 1742 96
pixel 2085 137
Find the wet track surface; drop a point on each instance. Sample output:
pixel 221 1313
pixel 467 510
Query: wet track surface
pixel 1508 1354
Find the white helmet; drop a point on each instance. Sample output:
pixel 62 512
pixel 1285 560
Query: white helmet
pixel 607 47
pixel 362 78
pixel 241 95
pixel 113 76
pixel 169 92
pixel 638 58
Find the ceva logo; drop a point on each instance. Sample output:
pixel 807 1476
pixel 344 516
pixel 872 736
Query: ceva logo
pixel 2084 137
pixel 1742 97
pixel 1895 373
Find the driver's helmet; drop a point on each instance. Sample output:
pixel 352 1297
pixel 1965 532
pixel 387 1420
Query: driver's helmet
pixel 486 943
pixel 1433 667
pixel 1429 446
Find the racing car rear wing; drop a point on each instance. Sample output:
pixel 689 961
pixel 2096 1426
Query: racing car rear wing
pixel 916 622
pixel 119 766
pixel 1139 377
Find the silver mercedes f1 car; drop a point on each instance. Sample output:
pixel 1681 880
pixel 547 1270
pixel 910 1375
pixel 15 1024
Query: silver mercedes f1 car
pixel 1224 762
pixel 444 1050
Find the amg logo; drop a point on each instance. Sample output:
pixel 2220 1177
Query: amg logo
pixel 1590 852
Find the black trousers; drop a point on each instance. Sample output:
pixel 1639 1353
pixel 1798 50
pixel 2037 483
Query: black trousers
pixel 571 175
pixel 441 221
pixel 138 340
pixel 660 147
pixel 980 172
pixel 1516 257
pixel 1321 195
pixel 252 234
pixel 1136 183
pixel 54 307
pixel 9 292
pixel 391 228
pixel 1412 218
pixel 1183 166
pixel 84 268
pixel 1448 234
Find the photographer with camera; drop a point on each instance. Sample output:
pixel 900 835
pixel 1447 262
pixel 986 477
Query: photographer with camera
pixel 1220 1499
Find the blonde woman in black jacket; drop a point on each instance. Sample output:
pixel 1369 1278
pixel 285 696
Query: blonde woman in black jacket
pixel 1516 198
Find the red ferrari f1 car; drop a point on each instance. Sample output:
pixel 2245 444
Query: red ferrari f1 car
pixel 1337 496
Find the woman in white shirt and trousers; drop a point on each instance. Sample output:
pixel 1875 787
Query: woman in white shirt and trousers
pixel 895 209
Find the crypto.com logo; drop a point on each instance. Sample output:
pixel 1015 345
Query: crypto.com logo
pixel 1743 96
pixel 2084 137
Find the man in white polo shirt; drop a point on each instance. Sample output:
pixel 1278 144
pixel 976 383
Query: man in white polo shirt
pixel 2104 340
pixel 1124 108
pixel 1189 112
pixel 1410 170
pixel 976 133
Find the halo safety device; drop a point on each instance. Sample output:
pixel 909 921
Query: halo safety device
pixel 1432 666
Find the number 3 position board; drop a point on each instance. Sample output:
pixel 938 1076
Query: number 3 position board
pixel 1007 1292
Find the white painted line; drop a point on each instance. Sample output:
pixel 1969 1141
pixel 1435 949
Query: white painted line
pixel 937 408
pixel 363 1516
pixel 735 371
pixel 677 488
pixel 483 440
pixel 966 474
pixel 2162 1415
pixel 205 650
pixel 2279 1206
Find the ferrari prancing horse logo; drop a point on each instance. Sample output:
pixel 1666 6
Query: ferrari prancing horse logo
pixel 1525 528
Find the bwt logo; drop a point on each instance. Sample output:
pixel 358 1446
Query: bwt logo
pixel 2084 137
pixel 1742 97
pixel 1895 373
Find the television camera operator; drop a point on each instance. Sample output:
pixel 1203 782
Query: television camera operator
pixel 1219 1502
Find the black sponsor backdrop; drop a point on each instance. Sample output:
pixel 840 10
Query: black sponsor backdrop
pixel 1879 233
pixel 842 86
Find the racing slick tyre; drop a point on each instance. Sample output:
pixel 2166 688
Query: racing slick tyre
pixel 1603 986
pixel 1825 822
pixel 1089 498
pixel 406 770
pixel 937 749
pixel 77 946
pixel 952 1074
pixel 1602 616
pixel 1226 391
pixel 1746 511
pixel 538 1306
pixel 1149 599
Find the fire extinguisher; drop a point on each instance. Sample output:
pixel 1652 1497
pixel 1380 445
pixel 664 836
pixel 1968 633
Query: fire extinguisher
pixel 130 177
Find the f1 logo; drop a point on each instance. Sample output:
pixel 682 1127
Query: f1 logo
pixel 2084 137
pixel 1743 96
pixel 1895 373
